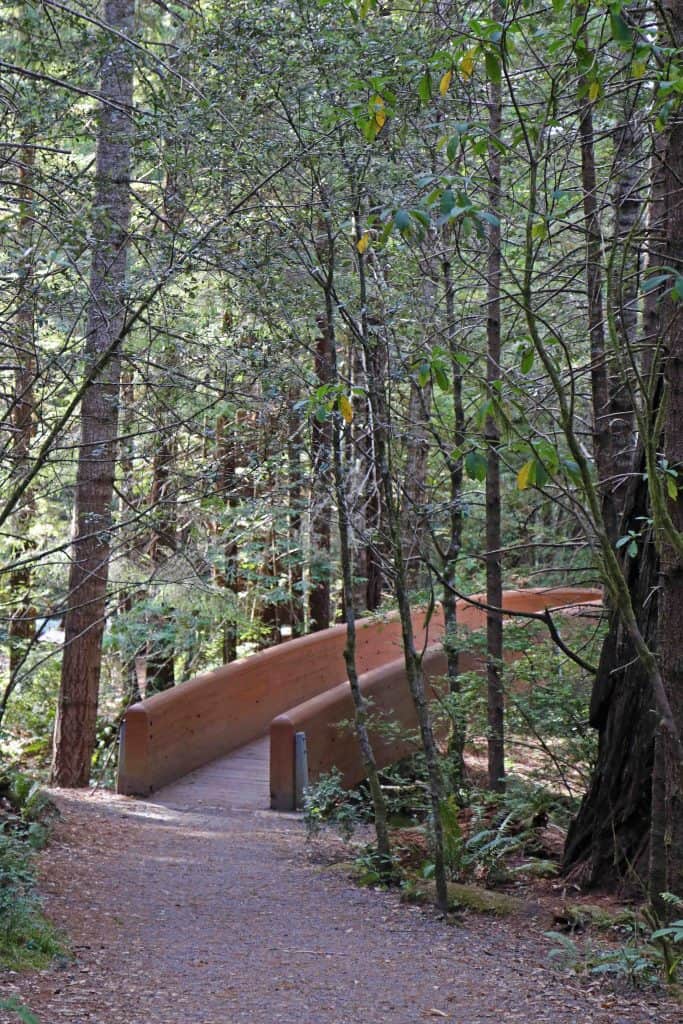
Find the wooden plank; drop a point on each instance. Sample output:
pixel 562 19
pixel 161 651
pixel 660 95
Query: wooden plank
pixel 239 779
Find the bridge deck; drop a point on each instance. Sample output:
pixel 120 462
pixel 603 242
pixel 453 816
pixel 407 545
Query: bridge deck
pixel 239 781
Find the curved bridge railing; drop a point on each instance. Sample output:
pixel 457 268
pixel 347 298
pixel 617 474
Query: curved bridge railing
pixel 300 687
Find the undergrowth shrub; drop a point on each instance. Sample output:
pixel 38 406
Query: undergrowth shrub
pixel 27 939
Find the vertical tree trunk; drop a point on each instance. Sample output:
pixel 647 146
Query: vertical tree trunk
pixel 161 647
pixel 129 503
pixel 321 445
pixel 600 390
pixel 413 661
pixel 21 629
pixel 455 465
pixel 86 602
pixel 226 487
pixel 294 560
pixel 415 481
pixel 671 579
pixel 346 554
pixel 607 843
pixel 494 567
pixel 375 554
pixel 160 661
pixel 628 205
pixel 629 823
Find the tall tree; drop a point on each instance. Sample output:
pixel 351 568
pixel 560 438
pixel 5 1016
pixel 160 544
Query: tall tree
pixel 494 537
pixel 86 602
pixel 668 505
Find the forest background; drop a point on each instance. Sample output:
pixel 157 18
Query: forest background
pixel 313 308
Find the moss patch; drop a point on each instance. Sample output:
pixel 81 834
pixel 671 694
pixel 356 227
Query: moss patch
pixel 466 897
pixel 585 915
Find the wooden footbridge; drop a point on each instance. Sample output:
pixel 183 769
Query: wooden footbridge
pixel 252 733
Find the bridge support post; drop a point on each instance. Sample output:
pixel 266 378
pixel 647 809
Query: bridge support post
pixel 300 769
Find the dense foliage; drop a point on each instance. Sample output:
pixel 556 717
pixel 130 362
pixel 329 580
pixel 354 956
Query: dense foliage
pixel 299 298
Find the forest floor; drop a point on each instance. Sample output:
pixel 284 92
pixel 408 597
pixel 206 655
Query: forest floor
pixel 179 917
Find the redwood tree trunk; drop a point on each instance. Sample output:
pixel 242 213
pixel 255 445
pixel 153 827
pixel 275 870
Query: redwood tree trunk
pixel 607 844
pixel 630 824
pixel 86 601
pixel 671 581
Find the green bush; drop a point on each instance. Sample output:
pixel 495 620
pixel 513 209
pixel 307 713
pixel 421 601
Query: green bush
pixel 27 939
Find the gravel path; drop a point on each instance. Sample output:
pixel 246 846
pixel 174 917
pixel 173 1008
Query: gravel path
pixel 219 917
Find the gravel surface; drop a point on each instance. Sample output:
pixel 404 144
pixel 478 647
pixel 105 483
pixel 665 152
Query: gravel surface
pixel 220 917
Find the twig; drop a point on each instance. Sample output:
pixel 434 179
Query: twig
pixel 543 616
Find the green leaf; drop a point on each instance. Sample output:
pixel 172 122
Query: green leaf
pixel 402 220
pixel 632 549
pixel 447 201
pixel 541 476
pixel 576 26
pixel 526 475
pixel 527 361
pixel 489 217
pixel 492 68
pixel 620 30
pixel 671 487
pixel 421 216
pixel 424 88
pixel 441 377
pixel 572 470
pixel 475 466
pixel 453 147
pixel 655 282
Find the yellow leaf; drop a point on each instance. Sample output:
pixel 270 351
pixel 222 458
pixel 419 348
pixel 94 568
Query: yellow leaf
pixel 445 82
pixel 363 242
pixel 345 408
pixel 593 92
pixel 638 69
pixel 379 112
pixel 523 476
pixel 467 64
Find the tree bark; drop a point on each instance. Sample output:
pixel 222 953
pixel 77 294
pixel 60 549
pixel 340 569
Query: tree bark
pixel 628 205
pixel 413 660
pixel 671 580
pixel 607 843
pixel 321 444
pixel 415 484
pixel 21 628
pixel 600 390
pixel 294 560
pixel 494 543
pixel 455 465
pixel 160 657
pixel 86 601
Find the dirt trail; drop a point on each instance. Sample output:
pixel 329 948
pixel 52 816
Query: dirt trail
pixel 180 917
